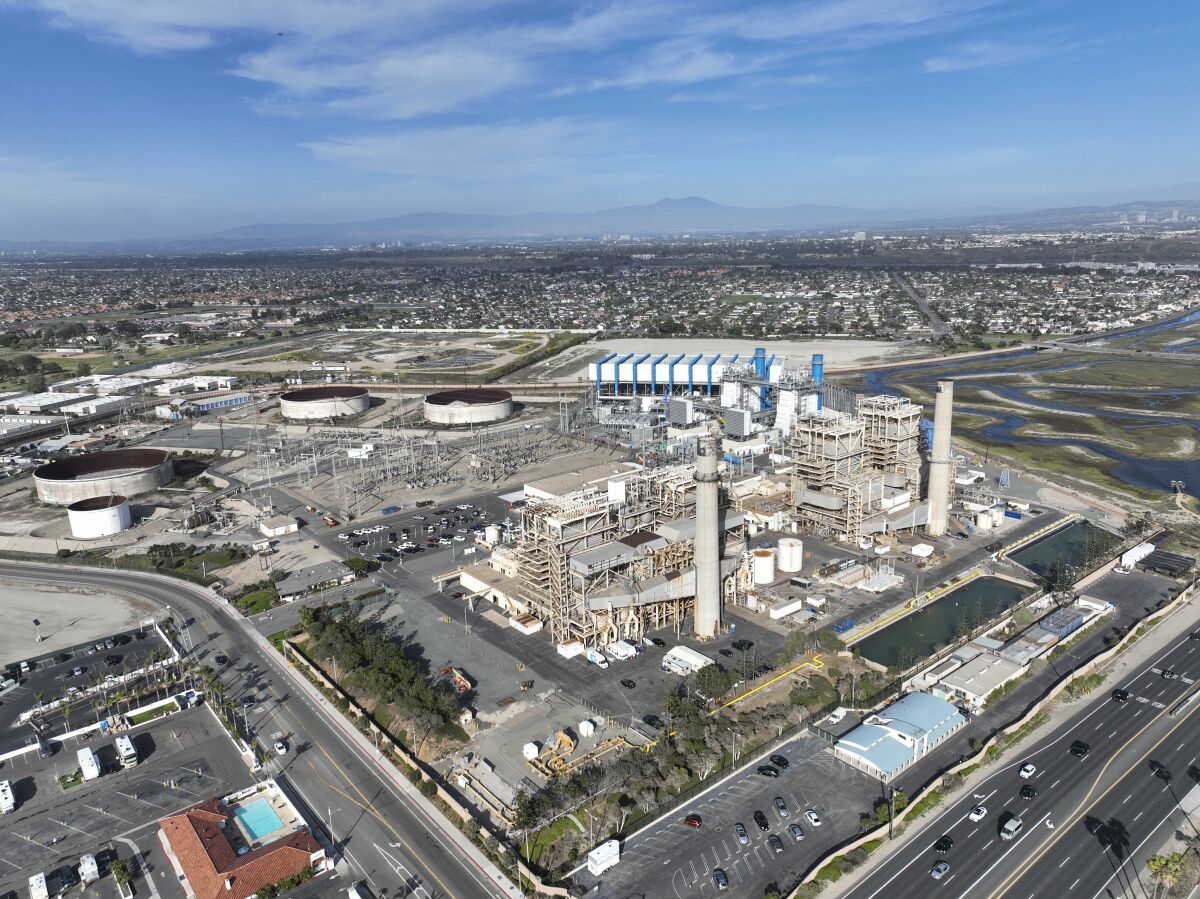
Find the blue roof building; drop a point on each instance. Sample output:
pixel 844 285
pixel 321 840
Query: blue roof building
pixel 887 743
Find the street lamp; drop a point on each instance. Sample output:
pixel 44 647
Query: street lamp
pixel 37 629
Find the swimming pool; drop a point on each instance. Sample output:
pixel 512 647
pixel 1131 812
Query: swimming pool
pixel 257 818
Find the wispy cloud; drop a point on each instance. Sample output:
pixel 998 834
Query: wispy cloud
pixel 406 59
pixel 987 54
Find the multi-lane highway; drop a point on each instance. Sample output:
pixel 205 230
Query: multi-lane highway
pixel 385 837
pixel 1089 825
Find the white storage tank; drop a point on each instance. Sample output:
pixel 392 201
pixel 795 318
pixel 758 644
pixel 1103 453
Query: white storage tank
pixel 764 565
pixel 997 513
pixel 983 520
pixel 586 727
pixel 99 516
pixel 491 534
pixel 530 751
pixel 791 554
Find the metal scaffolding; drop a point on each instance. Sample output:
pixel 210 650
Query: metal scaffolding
pixel 892 437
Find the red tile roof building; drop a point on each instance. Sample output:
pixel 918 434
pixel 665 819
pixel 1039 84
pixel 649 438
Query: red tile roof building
pixel 201 852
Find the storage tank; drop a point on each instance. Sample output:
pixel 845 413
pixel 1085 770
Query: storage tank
pixel 530 751
pixel 491 534
pixel 791 554
pixel 764 566
pixel 100 516
pixel 983 520
pixel 997 513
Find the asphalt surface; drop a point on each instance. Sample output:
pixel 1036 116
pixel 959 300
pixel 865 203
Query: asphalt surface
pixel 184 759
pixel 670 859
pixel 53 675
pixel 1089 814
pixel 384 837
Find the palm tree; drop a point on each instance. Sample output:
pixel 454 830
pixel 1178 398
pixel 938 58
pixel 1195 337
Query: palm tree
pixel 66 713
pixel 1165 869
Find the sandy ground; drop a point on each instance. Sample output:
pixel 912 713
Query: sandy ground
pixel 291 552
pixel 837 353
pixel 68 616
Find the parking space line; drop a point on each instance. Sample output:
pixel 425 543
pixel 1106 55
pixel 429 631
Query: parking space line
pixel 7 862
pixel 73 827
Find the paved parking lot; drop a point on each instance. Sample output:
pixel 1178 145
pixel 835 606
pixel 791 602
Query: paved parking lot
pixel 186 758
pixel 671 859
pixel 51 676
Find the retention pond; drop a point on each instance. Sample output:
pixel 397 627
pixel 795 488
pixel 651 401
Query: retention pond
pixel 923 633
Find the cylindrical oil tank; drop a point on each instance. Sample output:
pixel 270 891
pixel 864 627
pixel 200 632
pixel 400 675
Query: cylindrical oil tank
pixel 764 566
pixel 997 513
pixel 99 516
pixel 791 554
pixel 491 534
pixel 983 520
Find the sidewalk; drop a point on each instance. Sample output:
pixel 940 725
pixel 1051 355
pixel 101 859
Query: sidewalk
pixel 1150 646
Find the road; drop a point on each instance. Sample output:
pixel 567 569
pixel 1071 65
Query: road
pixel 1090 815
pixel 935 321
pixel 385 837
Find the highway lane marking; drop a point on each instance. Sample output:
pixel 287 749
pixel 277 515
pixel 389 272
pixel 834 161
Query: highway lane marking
pixel 1072 886
pixel 1055 784
pixel 1088 801
pixel 917 857
pixel 366 806
pixel 989 842
pixel 1099 724
pixel 1113 734
pixel 1064 861
pixel 1126 799
pixel 1138 815
pixel 1003 856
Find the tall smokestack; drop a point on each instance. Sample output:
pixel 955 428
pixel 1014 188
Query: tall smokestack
pixel 707 547
pixel 939 460
pixel 818 374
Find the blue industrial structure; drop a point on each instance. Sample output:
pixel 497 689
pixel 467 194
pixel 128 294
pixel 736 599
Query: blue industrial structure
pixel 619 375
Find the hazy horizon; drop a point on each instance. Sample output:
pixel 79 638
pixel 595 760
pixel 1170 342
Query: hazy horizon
pixel 173 119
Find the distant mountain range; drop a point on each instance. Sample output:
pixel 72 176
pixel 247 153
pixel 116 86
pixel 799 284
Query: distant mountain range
pixel 669 217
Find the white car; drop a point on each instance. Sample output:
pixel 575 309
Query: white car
pixel 1028 770
pixel 462 507
pixel 813 818
pixel 978 813
pixel 343 536
pixel 280 747
pixel 459 538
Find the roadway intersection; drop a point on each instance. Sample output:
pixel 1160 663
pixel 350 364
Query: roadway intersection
pixel 384 836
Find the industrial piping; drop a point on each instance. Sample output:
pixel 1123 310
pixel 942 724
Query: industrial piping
pixel 707 548
pixel 939 460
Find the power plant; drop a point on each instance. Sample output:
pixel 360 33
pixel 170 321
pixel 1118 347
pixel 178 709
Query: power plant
pixel 708 574
pixel 939 460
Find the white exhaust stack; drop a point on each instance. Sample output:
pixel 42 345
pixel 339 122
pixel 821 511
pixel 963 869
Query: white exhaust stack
pixel 708 560
pixel 939 460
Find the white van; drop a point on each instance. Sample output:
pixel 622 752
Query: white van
pixel 7 802
pixel 836 716
pixel 1010 828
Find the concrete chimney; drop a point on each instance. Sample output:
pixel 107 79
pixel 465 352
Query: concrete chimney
pixel 939 460
pixel 708 552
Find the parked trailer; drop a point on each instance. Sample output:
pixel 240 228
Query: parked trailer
pixel 623 651
pixel 7 802
pixel 1013 513
pixel 597 658
pixel 89 765
pixel 126 752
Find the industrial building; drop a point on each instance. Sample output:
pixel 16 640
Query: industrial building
pixel 468 406
pixel 611 558
pixel 320 403
pixel 177 409
pixel 123 472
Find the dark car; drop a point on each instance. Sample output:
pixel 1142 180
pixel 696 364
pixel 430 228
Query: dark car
pixel 221 660
pixel 63 657
pixel 761 820
pixel 743 645
pixel 1194 635
pixel 628 684
pixel 719 878
pixel 944 845
pixel 1028 791
pixel 693 821
pixel 728 653
pixel 657 642
pixel 122 639
pixel 767 771
pixel 779 762
pixel 654 721
pixel 776 843
pixel 1080 749
pixel 1170 674
pixel 112 660
pixel 1120 695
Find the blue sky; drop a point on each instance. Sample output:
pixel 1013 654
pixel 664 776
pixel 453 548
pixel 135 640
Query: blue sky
pixel 160 118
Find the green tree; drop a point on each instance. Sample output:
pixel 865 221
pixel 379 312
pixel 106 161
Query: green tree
pixel 358 566
pixel 83 369
pixel 120 871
